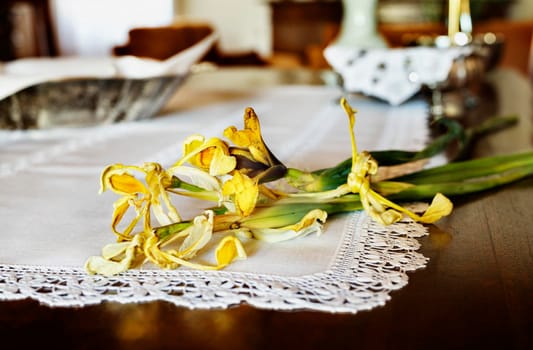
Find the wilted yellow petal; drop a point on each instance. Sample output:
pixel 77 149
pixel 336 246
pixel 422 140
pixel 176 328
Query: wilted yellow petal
pixel 101 266
pixel 170 259
pixel 310 218
pixel 229 249
pixel 121 206
pixel 126 184
pixel 350 112
pixel 245 192
pixel 108 267
pixel 440 206
pixel 157 179
pixel 154 254
pixel 310 223
pixel 115 250
pixel 198 235
pixel 250 137
pixel 385 217
pixel 212 155
pixel 221 163
pixel 111 177
pixel 163 217
pixel 192 144
pixel 142 198
pixel 241 138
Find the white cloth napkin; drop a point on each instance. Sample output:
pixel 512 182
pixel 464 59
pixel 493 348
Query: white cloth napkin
pixel 393 75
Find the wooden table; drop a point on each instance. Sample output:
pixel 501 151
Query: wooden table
pixel 476 291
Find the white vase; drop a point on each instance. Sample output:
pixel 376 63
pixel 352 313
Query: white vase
pixel 359 25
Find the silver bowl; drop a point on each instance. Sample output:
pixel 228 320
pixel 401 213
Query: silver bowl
pixel 76 102
pixel 466 74
pixel 84 91
pixel 470 70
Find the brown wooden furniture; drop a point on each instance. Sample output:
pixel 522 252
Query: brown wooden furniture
pixel 162 42
pixel 26 29
pixel 165 41
pixel 475 293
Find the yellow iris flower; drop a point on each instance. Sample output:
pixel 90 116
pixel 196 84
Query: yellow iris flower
pixel 116 257
pixel 212 155
pixel 358 181
pixel 143 198
pixel 195 237
pixel 234 178
pixel 243 192
pixel 254 159
pixel 378 207
pixel 250 137
pixel 119 257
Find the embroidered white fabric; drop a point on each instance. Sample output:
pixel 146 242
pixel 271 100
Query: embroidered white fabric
pixel 53 219
pixel 394 75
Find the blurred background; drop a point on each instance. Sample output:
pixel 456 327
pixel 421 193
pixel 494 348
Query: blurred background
pixel 284 33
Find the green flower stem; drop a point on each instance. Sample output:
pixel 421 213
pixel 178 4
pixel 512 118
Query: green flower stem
pixel 211 196
pixel 330 178
pixel 284 214
pixel 457 179
pixel 191 190
pixel 167 231
pixel 454 131
pixel 494 124
pixel 452 189
pixel 474 133
pixel 453 179
pixel 178 183
pixel 466 170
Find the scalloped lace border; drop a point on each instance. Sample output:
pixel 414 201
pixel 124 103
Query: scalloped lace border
pixel 371 261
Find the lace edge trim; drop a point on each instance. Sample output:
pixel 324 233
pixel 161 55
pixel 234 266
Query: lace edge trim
pixel 371 262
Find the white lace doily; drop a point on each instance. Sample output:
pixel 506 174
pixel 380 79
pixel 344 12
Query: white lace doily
pixel 371 262
pixel 53 219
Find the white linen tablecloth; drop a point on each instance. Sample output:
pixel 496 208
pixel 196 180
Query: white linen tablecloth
pixel 53 218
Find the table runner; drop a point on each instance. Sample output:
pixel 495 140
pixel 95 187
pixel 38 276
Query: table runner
pixel 53 218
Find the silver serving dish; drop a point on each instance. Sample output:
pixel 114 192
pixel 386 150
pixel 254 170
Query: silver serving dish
pixel 76 102
pixel 83 91
pixel 466 74
pixel 486 51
